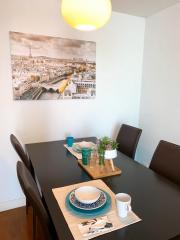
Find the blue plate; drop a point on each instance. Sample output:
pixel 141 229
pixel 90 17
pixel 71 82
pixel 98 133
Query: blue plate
pixel 89 213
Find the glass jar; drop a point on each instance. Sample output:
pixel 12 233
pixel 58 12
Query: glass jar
pixel 101 158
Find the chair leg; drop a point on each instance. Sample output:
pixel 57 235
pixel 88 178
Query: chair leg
pixel 34 224
pixel 27 206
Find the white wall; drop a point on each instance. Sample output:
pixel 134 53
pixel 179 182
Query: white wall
pixel 160 100
pixel 119 65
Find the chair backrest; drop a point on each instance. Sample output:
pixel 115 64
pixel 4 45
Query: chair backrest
pixel 31 192
pixel 20 151
pixel 175 238
pixel 166 161
pixel 128 138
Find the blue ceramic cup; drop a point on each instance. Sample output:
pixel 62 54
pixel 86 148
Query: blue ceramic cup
pixel 69 141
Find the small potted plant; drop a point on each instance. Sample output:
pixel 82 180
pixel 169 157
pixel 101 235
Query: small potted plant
pixel 107 149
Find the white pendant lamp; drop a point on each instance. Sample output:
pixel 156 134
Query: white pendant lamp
pixel 86 15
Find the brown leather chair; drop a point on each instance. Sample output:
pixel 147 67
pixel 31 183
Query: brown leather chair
pixel 31 192
pixel 128 138
pixel 21 153
pixel 23 157
pixel 175 238
pixel 166 161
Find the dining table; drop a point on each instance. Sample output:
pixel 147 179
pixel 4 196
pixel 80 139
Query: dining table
pixel 155 199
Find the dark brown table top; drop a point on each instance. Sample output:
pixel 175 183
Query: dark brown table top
pixel 154 199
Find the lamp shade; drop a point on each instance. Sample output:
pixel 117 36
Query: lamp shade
pixel 86 15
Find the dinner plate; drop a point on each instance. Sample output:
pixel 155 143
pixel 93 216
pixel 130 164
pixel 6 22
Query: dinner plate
pixel 89 214
pixel 77 147
pixel 88 207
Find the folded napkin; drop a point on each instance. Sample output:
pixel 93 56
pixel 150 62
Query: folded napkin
pixel 95 226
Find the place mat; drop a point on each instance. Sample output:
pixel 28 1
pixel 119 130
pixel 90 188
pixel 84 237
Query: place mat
pixel 75 154
pixel 76 223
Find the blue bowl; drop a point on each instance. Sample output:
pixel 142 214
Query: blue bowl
pixel 89 213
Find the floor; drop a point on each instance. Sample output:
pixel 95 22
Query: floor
pixel 16 225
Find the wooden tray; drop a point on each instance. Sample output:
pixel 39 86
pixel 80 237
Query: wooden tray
pixel 96 171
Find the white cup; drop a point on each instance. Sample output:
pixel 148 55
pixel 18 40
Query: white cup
pixel 123 203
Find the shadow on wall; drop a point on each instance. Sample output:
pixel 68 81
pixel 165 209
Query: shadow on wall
pixel 34 121
pixel 142 156
pixel 40 121
pixel 10 188
pixel 145 152
pixel 115 130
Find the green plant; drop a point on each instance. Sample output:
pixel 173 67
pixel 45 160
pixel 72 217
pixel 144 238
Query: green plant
pixel 106 143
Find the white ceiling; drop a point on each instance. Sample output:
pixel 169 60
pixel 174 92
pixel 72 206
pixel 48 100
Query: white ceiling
pixel 143 8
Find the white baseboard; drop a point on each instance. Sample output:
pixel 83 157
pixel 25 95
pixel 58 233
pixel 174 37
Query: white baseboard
pixel 4 206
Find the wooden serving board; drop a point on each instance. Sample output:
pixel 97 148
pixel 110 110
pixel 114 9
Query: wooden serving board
pixel 96 171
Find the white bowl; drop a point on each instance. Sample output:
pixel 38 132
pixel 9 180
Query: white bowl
pixel 87 194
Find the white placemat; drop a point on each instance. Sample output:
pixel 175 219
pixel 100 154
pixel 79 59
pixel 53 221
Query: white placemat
pixel 75 223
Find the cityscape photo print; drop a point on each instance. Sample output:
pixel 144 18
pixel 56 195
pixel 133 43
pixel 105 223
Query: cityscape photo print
pixel 45 68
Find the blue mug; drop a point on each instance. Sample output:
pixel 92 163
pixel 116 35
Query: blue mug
pixel 69 141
